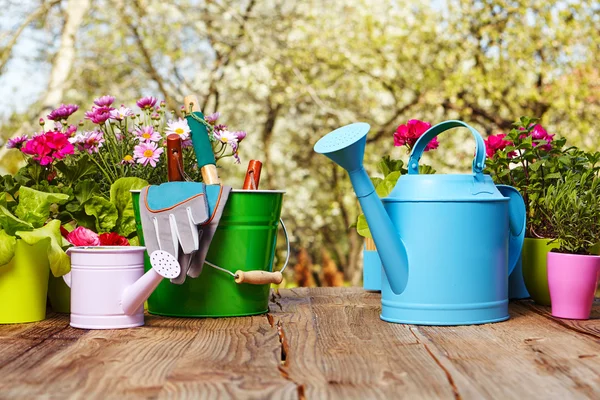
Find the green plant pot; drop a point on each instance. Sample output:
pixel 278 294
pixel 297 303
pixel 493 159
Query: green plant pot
pixel 535 272
pixel 59 295
pixel 24 284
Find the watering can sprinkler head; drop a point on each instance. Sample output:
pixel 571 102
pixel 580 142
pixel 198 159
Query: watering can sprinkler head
pixel 346 147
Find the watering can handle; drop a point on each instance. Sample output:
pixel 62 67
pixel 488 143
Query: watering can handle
pixel 423 141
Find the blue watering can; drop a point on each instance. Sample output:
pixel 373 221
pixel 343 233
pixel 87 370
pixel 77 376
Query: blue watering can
pixel 447 242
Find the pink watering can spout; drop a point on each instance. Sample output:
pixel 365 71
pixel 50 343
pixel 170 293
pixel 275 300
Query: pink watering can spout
pixel 346 147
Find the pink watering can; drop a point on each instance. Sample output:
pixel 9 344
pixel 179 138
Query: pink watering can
pixel 109 287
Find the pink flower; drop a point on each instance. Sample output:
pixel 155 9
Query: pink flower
pixel 104 101
pixel 186 143
pixel 99 115
pixel 212 118
pixel 71 130
pixel 128 159
pixel 407 135
pixel 81 236
pixel 63 112
pixel 17 142
pixel 539 133
pixel 121 113
pixel 88 141
pixel 240 135
pixel 146 102
pixel 147 153
pixel 495 143
pixel 147 134
pixel 47 147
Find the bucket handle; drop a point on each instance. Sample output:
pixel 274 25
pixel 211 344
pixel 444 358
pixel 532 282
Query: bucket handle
pixel 431 133
pixel 259 277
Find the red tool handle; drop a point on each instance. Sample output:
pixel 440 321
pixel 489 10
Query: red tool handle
pixel 174 158
pixel 252 175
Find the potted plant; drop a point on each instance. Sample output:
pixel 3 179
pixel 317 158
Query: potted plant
pixel 96 169
pixel 406 135
pixel 573 207
pixel 531 160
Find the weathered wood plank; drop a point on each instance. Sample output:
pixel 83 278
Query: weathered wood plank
pixel 174 357
pixel 337 347
pixel 589 327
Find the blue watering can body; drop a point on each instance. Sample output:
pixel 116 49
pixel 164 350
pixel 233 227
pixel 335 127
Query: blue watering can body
pixel 447 242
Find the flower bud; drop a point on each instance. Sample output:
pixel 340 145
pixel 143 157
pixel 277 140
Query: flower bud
pixel 42 122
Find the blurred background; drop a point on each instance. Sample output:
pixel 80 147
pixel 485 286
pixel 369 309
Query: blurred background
pixel 288 72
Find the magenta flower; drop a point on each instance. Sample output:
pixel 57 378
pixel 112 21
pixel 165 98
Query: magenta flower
pixel 99 115
pixel 104 101
pixel 147 134
pixel 70 130
pixel 240 135
pixel 147 153
pixel 17 142
pixel 146 102
pixel 539 133
pixel 47 147
pixel 186 143
pixel 81 236
pixel 407 135
pixel 212 118
pixel 63 112
pixel 495 143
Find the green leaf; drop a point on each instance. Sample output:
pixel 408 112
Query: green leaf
pixel 387 185
pixel 104 212
pixel 120 196
pixel 9 185
pixel 362 228
pixel 426 169
pixel 3 199
pixel 60 262
pixel 34 206
pixel 75 171
pixel 7 247
pixel 554 175
pixel 85 190
pixel 376 181
pixel 134 241
pixel 387 165
pixel 12 224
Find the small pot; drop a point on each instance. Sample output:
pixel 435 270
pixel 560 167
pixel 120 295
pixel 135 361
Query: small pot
pixel 572 279
pixel 535 273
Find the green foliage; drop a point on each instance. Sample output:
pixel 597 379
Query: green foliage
pixel 7 247
pixel 34 206
pixel 60 262
pixel 532 166
pixel 104 212
pixel 120 196
pixel 11 224
pixel 573 208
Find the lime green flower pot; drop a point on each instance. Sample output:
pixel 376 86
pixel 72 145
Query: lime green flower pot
pixel 535 272
pixel 24 284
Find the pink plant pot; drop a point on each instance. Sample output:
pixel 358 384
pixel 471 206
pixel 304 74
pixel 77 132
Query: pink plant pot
pixel 572 279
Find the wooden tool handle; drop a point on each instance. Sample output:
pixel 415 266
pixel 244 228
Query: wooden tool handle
pixel 258 277
pixel 210 176
pixel 252 175
pixel 174 158
pixel 193 100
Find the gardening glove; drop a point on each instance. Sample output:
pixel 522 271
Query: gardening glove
pixel 217 199
pixel 170 214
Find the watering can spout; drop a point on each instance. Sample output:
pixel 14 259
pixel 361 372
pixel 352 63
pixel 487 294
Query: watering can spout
pixel 345 146
pixel 137 293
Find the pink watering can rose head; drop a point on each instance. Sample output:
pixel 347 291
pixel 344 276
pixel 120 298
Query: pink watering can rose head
pixel 447 242
pixel 109 286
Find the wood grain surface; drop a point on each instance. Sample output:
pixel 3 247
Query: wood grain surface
pixel 323 343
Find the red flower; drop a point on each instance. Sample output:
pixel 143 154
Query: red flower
pixel 113 239
pixel 407 135
pixel 81 236
pixel 495 143
pixel 50 146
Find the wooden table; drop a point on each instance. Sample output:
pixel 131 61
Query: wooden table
pixel 315 344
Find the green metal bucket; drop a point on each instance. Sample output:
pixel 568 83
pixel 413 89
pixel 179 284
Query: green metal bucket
pixel 245 240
